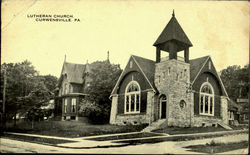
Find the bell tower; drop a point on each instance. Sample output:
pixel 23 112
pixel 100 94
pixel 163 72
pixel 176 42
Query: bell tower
pixel 172 40
pixel 172 74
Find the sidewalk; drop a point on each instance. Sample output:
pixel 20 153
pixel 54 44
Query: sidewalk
pixel 82 142
pixel 80 146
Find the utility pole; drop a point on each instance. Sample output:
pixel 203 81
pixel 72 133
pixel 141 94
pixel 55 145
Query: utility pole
pixel 4 100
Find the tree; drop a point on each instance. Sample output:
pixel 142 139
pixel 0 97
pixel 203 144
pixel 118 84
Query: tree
pixel 235 80
pixel 50 82
pixel 25 89
pixel 103 77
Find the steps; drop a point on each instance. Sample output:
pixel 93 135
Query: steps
pixel 225 126
pixel 154 125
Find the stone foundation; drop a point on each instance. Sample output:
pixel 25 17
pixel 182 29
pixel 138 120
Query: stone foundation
pixel 131 119
pixel 199 121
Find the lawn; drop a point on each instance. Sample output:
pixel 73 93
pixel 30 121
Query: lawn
pixel 176 138
pixel 71 128
pixel 218 147
pixel 127 136
pixel 188 130
pixel 240 127
pixel 51 141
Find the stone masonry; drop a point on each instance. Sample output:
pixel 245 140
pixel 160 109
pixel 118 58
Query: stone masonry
pixel 172 78
pixel 224 110
pixel 113 112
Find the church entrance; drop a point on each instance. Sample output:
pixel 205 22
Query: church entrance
pixel 163 107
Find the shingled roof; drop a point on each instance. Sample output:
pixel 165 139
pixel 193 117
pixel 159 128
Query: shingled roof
pixel 172 31
pixel 74 72
pixel 148 68
pixel 195 66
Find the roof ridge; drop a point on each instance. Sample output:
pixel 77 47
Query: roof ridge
pixel 142 57
pixel 200 57
pixel 74 63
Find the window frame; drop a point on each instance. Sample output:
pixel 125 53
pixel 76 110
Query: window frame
pixel 65 105
pixel 129 94
pixel 209 100
pixel 73 104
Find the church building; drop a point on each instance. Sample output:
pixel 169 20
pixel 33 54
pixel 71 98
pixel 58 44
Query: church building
pixel 172 90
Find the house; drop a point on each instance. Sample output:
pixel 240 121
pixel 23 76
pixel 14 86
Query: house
pixel 233 112
pixel 244 111
pixel 172 90
pixel 72 84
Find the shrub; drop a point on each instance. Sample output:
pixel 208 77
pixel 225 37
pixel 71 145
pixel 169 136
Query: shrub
pixel 97 114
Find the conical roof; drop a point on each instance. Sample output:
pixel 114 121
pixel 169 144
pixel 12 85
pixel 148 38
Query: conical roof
pixel 173 31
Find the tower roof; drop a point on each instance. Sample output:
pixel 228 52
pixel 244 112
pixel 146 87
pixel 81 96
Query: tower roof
pixel 173 31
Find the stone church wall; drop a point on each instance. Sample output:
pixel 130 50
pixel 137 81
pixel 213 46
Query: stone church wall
pixel 172 78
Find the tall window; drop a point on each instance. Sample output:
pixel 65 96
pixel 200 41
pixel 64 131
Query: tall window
pixel 206 99
pixel 73 105
pixel 65 88
pixel 132 98
pixel 65 105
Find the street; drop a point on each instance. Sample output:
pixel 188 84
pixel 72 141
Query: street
pixel 172 147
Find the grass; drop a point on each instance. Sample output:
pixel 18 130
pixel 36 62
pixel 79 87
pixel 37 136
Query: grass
pixel 71 128
pixel 218 147
pixel 188 130
pixel 128 136
pixel 39 140
pixel 176 138
pixel 240 127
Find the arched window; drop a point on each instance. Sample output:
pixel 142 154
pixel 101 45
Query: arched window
pixel 206 99
pixel 132 98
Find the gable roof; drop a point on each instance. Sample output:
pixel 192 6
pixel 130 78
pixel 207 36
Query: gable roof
pixel 195 67
pixel 172 31
pixel 148 68
pixel 74 72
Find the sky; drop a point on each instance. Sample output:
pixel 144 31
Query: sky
pixel 216 28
